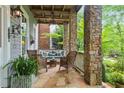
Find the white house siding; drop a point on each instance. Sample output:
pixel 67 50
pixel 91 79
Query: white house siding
pixel 6 52
pixel 15 41
pixel 15 47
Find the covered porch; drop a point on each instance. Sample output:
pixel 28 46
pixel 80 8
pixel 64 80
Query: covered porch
pixel 87 70
pixel 88 64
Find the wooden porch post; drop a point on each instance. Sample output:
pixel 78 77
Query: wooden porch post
pixel 66 38
pixel 73 31
pixel 92 45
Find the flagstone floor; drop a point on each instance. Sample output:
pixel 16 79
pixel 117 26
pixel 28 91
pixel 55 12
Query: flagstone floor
pixel 60 79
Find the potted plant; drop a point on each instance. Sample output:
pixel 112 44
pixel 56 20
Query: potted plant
pixel 23 69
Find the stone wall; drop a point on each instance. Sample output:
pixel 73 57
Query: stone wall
pixel 92 45
pixel 43 39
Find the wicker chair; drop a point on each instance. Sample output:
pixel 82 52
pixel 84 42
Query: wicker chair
pixel 68 61
pixel 32 53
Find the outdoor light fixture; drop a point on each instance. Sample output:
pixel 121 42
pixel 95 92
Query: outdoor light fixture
pixel 16 11
pixel 15 29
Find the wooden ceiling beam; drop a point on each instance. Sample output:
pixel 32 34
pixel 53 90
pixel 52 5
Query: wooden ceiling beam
pixel 50 22
pixel 62 10
pixel 52 7
pixel 49 12
pixel 50 19
pixel 42 10
pixel 41 7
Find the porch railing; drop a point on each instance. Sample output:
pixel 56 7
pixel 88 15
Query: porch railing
pixel 79 62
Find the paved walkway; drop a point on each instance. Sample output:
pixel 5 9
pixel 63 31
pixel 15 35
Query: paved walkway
pixel 59 79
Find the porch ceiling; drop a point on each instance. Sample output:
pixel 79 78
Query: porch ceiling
pixel 55 14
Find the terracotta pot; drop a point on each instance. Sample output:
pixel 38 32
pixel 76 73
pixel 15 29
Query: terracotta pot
pixel 118 85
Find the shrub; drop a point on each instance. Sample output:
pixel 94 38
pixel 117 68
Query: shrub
pixel 109 78
pixel 115 77
pixel 119 66
pixel 114 71
pixel 109 66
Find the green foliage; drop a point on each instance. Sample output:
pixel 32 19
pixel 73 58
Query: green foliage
pixel 80 32
pixel 52 35
pixel 115 77
pixel 23 66
pixel 58 34
pixel 119 65
pixel 113 70
pixel 58 41
pixel 113 30
pixel 109 65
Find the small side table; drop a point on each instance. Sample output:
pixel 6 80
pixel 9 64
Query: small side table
pixel 52 63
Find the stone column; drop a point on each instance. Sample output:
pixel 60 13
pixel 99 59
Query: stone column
pixel 66 38
pixel 73 31
pixel 92 45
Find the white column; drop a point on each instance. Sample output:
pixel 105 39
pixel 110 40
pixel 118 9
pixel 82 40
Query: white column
pixel 0 42
pixel 5 45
